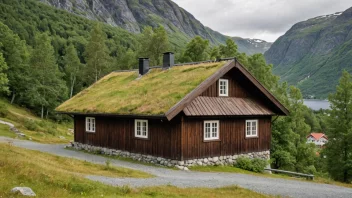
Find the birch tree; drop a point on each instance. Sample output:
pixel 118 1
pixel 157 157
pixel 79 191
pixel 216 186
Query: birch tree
pixel 73 67
pixel 96 55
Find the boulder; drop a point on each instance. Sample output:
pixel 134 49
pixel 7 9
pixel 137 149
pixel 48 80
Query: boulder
pixel 25 191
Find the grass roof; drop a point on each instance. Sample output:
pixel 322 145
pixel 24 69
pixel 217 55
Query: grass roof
pixel 155 93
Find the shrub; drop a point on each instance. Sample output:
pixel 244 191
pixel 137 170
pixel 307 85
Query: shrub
pixel 256 165
pixel 30 125
pixel 3 111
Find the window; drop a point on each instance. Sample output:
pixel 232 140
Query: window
pixel 141 128
pixel 223 87
pixel 211 130
pixel 90 124
pixel 251 128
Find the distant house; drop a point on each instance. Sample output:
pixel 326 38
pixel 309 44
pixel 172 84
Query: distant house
pixel 203 113
pixel 319 139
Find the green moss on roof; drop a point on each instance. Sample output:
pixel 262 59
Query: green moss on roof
pixel 153 94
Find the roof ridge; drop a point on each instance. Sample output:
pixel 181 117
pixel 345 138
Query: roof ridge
pixel 180 64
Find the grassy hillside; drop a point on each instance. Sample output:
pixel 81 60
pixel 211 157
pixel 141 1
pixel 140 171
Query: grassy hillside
pixel 313 53
pixel 34 128
pixel 52 176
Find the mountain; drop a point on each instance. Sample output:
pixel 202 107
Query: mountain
pixel 313 53
pixel 133 15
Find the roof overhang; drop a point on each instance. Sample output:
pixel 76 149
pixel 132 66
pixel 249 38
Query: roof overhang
pixel 162 117
pixel 176 109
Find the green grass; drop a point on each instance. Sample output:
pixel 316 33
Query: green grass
pixel 36 129
pixel 5 131
pixel 153 94
pixel 52 176
pixel 231 169
pixel 126 159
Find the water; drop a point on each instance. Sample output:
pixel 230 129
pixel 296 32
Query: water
pixel 317 104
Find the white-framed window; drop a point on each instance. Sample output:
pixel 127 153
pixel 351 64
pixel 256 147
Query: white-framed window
pixel 90 124
pixel 211 130
pixel 141 128
pixel 251 128
pixel 223 87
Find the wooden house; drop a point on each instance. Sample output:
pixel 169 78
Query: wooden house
pixel 177 112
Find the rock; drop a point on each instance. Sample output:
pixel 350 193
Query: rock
pixel 215 159
pixel 205 160
pixel 181 163
pixel 159 159
pixel 22 134
pixel 25 191
pixel 180 167
pixel 62 137
pixel 185 169
pixel 199 163
pixel 174 162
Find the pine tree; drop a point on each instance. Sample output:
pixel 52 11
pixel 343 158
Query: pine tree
pixel 73 67
pixel 96 55
pixel 3 77
pixel 339 148
pixel 48 88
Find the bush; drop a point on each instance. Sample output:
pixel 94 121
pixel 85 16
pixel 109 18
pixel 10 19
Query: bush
pixel 3 111
pixel 256 165
pixel 30 125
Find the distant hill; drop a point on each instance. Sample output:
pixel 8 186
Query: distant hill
pixel 133 15
pixel 313 53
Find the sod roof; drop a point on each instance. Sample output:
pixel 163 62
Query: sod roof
pixel 124 93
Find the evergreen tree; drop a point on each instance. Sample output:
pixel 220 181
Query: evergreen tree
pixel 96 55
pixel 339 148
pixel 3 77
pixel 48 88
pixel 73 68
pixel 196 50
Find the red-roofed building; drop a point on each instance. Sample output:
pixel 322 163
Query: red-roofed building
pixel 319 139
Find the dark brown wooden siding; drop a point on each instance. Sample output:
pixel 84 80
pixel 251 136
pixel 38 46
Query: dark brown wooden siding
pixel 232 138
pixel 236 89
pixel 117 133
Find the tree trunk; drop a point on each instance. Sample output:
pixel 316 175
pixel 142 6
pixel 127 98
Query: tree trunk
pixel 42 114
pixel 13 97
pixel 72 85
pixel 47 113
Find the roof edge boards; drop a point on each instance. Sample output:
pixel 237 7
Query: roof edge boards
pixel 177 108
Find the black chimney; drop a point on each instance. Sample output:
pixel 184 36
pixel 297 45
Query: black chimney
pixel 168 60
pixel 143 66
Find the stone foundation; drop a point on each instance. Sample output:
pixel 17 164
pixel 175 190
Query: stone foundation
pixel 209 161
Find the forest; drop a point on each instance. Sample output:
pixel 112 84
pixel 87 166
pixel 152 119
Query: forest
pixel 48 56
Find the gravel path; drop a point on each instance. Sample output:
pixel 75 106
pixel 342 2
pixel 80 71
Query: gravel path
pixel 7 123
pixel 273 186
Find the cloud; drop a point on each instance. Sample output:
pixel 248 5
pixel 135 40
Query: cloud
pixel 264 19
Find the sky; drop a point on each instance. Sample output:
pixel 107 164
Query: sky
pixel 261 19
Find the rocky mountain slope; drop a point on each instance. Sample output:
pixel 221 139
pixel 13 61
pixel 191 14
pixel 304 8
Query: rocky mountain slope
pixel 313 53
pixel 133 15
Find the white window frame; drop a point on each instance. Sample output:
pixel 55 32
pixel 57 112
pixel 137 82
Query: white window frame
pixel 211 122
pixel 251 128
pixel 226 81
pixel 90 124
pixel 141 129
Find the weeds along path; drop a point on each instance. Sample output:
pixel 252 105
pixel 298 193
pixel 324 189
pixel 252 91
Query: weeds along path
pixel 164 176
